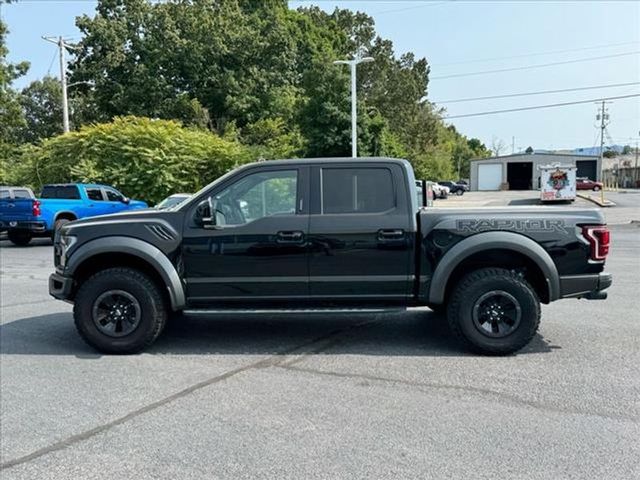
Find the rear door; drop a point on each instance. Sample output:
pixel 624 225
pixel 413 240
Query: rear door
pixel 361 232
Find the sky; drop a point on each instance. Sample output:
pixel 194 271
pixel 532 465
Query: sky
pixel 460 38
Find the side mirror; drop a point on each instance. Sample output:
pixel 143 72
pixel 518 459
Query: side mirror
pixel 204 216
pixel 126 200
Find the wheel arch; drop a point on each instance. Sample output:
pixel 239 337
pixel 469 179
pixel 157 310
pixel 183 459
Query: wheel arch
pixel 489 249
pixel 69 215
pixel 114 251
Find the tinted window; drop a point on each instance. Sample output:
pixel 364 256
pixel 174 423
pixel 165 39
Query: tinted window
pixel 21 193
pixel 68 192
pixel 357 190
pixel 4 193
pixel 258 195
pixel 114 196
pixel 94 194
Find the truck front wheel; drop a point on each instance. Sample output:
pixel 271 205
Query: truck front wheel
pixel 494 311
pixel 119 310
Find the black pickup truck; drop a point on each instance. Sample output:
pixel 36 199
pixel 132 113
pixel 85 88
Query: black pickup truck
pixel 326 234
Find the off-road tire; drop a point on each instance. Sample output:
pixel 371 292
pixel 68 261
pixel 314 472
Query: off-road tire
pixel 19 238
pixel 479 282
pixel 152 306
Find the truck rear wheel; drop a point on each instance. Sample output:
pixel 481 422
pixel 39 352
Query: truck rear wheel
pixel 119 310
pixel 58 225
pixel 494 311
pixel 19 238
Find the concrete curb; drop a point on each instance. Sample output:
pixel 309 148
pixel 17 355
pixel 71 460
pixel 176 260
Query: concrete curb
pixel 607 203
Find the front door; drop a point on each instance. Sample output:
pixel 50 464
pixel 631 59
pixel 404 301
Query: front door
pixel 361 234
pixel 257 251
pixel 115 200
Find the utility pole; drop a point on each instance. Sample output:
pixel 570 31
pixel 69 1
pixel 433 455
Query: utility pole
pixel 354 104
pixel 63 79
pixel 513 145
pixel 636 175
pixel 603 116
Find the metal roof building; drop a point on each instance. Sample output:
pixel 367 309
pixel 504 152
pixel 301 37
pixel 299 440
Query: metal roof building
pixel 520 171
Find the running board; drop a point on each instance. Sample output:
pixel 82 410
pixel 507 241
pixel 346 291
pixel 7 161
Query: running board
pixel 257 311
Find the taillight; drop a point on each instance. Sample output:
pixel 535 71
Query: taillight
pixel 35 208
pixel 599 238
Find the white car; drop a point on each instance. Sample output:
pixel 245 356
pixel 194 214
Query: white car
pixel 440 191
pixel 172 200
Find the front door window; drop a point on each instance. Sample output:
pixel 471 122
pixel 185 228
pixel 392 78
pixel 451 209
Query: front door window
pixel 256 196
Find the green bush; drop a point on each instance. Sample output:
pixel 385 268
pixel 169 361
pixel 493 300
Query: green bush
pixel 144 158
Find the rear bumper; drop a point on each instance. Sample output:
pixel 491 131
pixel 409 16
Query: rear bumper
pixel 590 286
pixel 60 287
pixel 30 226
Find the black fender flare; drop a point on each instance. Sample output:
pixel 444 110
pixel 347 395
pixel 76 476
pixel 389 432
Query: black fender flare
pixel 491 241
pixel 139 248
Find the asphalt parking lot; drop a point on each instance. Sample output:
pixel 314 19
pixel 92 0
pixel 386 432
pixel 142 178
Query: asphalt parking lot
pixel 360 396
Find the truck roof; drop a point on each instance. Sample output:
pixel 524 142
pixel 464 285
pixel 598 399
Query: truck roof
pixel 296 161
pixel 74 185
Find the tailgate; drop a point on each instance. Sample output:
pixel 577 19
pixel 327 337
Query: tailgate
pixel 15 209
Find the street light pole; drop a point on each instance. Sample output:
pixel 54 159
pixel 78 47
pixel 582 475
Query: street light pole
pixel 354 100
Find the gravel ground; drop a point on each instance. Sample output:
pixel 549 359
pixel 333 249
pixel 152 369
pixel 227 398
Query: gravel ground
pixel 321 396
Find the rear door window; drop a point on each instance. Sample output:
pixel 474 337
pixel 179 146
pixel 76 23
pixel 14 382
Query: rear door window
pixel 4 193
pixel 357 190
pixel 63 192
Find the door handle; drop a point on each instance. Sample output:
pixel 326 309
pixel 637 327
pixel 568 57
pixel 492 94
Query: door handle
pixel 290 237
pixel 394 234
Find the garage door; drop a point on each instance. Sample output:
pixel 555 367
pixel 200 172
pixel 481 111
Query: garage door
pixel 489 177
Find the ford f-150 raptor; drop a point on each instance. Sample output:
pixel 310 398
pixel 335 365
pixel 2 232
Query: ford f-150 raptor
pixel 326 233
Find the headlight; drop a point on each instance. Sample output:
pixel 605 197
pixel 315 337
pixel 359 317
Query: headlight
pixel 66 242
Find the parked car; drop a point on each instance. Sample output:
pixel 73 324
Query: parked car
pixel 583 183
pixel 454 188
pixel 15 205
pixel 439 191
pixel 26 218
pixel 172 201
pixel 326 234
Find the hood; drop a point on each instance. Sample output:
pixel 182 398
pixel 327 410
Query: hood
pixel 138 204
pixel 141 215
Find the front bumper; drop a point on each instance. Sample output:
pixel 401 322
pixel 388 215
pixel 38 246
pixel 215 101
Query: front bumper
pixel 590 286
pixel 30 226
pixel 60 287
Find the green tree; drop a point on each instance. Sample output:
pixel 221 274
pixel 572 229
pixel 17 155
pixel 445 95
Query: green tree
pixel 42 108
pixel 11 116
pixel 145 158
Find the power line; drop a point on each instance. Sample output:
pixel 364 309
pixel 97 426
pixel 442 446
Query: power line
pixel 493 112
pixel 430 4
pixel 542 92
pixel 539 65
pixel 539 54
